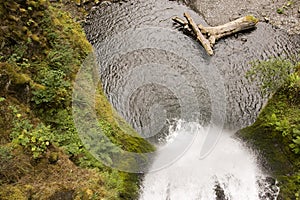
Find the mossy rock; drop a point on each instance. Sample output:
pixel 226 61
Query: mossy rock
pixel 43 49
pixel 15 77
pixel 10 192
pixel 277 155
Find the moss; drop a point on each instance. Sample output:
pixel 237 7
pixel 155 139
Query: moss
pixel 42 51
pixel 129 140
pixel 252 19
pixel 9 192
pixel 14 76
pixel 274 145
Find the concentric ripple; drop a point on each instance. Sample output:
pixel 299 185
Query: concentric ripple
pixel 139 24
pixel 153 73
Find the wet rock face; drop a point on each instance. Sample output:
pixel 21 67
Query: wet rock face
pixel 281 13
pixel 269 188
pixel 220 194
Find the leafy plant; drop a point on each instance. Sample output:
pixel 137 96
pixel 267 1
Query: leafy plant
pixel 296 141
pixel 35 139
pixel 294 81
pixel 272 74
pixel 278 124
pixel 44 46
pixel 56 89
pixel 280 10
pixel 283 126
pixel 286 6
pixel 286 129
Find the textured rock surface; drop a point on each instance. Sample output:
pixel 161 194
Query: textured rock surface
pixel 266 10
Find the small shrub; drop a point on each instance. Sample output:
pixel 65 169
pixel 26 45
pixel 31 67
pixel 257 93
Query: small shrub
pixel 289 130
pixel 35 139
pixel 56 90
pixel 272 74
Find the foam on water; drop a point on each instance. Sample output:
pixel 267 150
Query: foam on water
pixel 230 166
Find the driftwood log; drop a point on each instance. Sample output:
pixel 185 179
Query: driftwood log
pixel 208 36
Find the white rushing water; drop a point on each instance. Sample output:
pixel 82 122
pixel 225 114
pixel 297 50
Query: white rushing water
pixel 230 165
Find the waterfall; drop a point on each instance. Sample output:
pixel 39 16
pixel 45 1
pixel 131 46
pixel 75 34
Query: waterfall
pixel 152 72
pixel 229 172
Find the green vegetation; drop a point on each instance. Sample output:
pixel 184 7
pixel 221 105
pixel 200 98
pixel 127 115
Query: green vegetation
pixel 274 74
pixel 285 6
pixel 280 10
pixel 35 139
pixel 276 132
pixel 41 155
pixel 251 18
